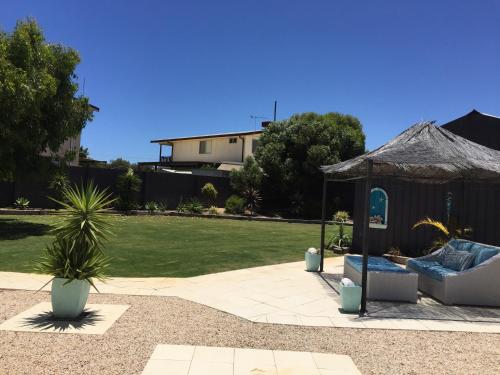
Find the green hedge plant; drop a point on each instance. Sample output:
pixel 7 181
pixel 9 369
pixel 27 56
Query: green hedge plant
pixel 235 205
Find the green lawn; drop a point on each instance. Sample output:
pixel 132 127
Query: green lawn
pixel 168 246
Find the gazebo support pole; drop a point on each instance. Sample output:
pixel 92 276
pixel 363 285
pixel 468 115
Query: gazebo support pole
pixel 323 217
pixel 366 242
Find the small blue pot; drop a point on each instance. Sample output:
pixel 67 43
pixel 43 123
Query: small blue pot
pixel 312 262
pixel 68 300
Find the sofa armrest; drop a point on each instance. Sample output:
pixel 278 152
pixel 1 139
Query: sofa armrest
pixel 491 265
pixel 430 257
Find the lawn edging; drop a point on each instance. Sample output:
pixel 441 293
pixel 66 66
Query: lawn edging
pixel 42 211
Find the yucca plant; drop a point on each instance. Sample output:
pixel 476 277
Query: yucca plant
pixel 252 198
pixel 447 233
pixel 76 253
pixel 22 203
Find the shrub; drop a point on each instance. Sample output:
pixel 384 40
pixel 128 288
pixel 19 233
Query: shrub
pixel 209 192
pixel 22 203
pixel 252 198
pixel 213 210
pixel 235 205
pixel 151 206
pixel 250 176
pixel 192 206
pixel 162 206
pixel 340 238
pixel 58 184
pixel 128 185
pixel 76 252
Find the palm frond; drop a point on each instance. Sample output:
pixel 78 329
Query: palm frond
pixel 433 223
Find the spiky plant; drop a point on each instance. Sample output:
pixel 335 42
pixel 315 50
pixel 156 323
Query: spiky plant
pixel 252 198
pixel 76 252
pixel 446 233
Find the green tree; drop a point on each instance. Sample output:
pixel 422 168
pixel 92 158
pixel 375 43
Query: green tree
pixel 290 153
pixel 128 185
pixel 83 153
pixel 250 176
pixel 39 106
pixel 120 163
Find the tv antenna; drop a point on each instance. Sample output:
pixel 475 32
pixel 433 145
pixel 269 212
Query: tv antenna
pixel 255 118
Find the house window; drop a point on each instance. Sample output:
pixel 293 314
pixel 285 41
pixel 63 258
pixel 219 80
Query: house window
pixel 206 147
pixel 378 208
pixel 233 140
pixel 255 143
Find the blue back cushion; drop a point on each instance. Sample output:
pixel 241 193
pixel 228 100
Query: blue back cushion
pixel 454 259
pixel 483 255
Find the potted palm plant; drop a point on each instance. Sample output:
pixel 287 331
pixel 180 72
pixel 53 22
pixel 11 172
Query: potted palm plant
pixel 340 241
pixel 75 258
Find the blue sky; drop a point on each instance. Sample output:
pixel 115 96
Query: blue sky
pixel 176 68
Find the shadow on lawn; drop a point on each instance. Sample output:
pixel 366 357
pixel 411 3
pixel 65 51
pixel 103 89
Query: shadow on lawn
pixel 14 229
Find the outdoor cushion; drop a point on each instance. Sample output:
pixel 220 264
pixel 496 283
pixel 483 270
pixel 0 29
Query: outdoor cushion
pixel 484 254
pixel 454 259
pixel 377 264
pixel 432 269
pixel 463 245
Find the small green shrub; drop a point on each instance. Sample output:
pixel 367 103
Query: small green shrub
pixel 58 184
pixel 162 206
pixel 151 206
pixel 209 192
pixel 213 210
pixel 192 206
pixel 235 205
pixel 340 238
pixel 22 203
pixel 128 185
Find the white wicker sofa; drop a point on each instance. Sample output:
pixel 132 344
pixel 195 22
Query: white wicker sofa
pixel 478 285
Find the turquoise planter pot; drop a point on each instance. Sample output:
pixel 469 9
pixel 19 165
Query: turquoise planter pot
pixel 312 262
pixel 68 301
pixel 350 297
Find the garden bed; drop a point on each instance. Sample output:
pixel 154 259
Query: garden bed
pixel 46 211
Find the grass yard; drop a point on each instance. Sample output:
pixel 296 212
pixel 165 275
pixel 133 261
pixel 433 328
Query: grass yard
pixel 168 246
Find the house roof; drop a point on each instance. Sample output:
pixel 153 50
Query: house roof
pixel 217 135
pixel 477 127
pixel 424 152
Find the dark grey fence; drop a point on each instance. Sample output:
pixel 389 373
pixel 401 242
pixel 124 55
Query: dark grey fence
pixel 167 188
pixel 475 205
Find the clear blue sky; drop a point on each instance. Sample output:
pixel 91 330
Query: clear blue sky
pixel 176 68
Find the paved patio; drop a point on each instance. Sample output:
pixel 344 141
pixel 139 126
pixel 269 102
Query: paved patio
pixel 204 360
pixel 286 294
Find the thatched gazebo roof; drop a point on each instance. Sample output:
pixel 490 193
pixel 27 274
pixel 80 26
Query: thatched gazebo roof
pixel 426 153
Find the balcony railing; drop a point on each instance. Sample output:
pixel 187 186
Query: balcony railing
pixel 165 159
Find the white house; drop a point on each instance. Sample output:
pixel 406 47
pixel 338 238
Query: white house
pixel 227 150
pixel 71 146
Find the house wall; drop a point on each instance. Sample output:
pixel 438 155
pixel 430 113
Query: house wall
pixel 222 150
pixel 70 144
pixel 410 202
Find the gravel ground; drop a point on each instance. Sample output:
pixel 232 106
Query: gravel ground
pixel 127 345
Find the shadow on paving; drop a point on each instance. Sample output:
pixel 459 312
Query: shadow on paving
pixel 47 321
pixel 14 229
pixel 425 308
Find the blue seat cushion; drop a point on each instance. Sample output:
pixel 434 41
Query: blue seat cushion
pixel 377 264
pixel 431 269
